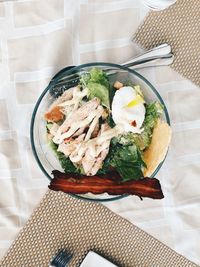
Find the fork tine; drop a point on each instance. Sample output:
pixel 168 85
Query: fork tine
pixel 61 259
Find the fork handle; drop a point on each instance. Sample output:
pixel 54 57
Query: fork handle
pixel 158 56
pixel 153 62
pixel 158 51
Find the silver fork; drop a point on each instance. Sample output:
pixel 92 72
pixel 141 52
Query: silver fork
pixel 61 259
pixel 158 56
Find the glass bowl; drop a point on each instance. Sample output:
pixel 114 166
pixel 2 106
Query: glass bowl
pixel 45 157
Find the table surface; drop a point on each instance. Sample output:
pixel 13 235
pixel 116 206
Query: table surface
pixel 38 39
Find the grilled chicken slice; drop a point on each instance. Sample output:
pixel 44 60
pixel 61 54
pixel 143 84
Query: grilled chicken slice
pixel 79 118
pixel 102 155
pixel 87 162
pixel 99 160
pixel 95 121
pixel 96 130
pixel 92 164
pixel 80 114
pixel 68 147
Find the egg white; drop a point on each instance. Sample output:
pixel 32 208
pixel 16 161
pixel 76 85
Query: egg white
pixel 123 115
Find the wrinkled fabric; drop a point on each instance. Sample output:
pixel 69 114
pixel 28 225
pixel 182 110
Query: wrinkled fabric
pixel 38 38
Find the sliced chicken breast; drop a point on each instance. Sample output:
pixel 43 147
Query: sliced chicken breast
pixel 92 164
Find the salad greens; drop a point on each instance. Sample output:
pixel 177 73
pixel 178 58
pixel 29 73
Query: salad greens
pixel 48 126
pixel 126 150
pixel 65 162
pixel 143 140
pixel 126 159
pixel 98 85
pixel 153 112
pixel 128 162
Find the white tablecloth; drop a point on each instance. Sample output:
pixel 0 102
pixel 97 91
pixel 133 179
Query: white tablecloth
pixel 39 37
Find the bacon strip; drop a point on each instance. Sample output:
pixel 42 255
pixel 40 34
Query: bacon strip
pixel 70 183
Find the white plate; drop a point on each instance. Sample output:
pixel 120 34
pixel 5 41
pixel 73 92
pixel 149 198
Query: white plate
pixel 93 260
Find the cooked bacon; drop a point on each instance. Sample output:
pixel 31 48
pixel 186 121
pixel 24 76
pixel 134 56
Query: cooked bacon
pixel 133 123
pixel 81 184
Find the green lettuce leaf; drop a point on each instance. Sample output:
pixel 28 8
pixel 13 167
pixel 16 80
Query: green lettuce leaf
pixel 65 162
pixel 98 85
pixel 153 112
pixel 143 140
pixel 125 159
pixel 48 126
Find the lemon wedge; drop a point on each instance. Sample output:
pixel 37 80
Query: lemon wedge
pixel 136 101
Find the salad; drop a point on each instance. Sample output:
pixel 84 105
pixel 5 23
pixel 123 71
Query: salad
pixel 106 137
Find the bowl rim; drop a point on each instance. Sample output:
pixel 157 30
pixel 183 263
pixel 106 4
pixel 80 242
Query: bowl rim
pixel 69 70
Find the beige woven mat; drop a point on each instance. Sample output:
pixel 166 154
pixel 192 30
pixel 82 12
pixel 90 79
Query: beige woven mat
pixel 179 26
pixel 62 221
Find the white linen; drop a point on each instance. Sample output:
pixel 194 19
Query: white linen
pixel 39 37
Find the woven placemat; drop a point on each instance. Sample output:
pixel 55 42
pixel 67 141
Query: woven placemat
pixel 179 26
pixel 61 221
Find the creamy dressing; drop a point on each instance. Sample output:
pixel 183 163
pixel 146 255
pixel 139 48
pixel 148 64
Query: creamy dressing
pixel 71 105
pixel 128 113
pixel 67 95
pixel 78 95
pixel 95 145
pixel 94 122
pixel 109 134
pixel 122 116
pixel 101 148
pixel 59 137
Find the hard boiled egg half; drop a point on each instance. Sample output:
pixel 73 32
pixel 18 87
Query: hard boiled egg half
pixel 128 110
